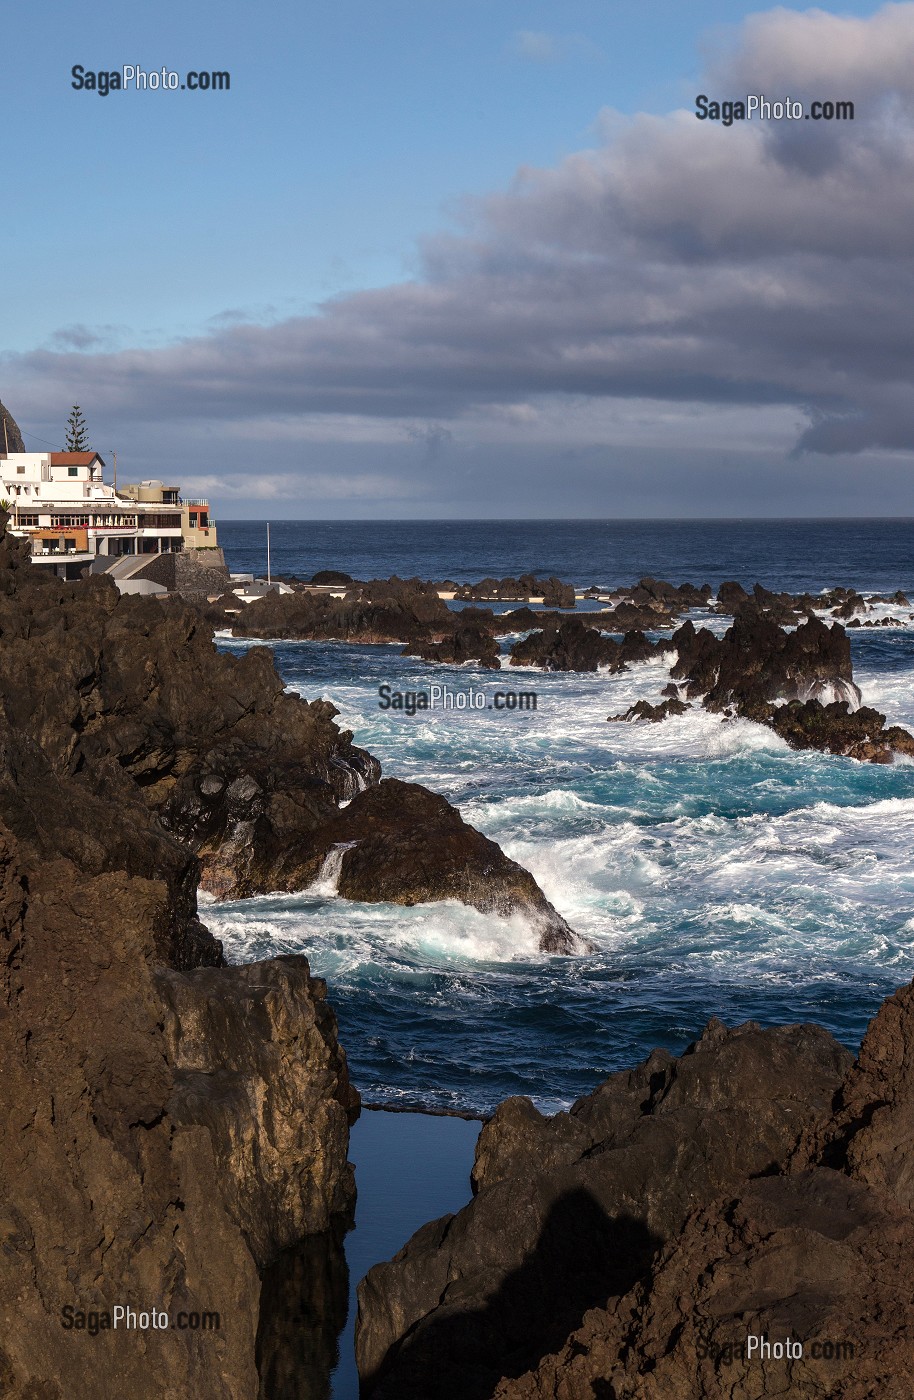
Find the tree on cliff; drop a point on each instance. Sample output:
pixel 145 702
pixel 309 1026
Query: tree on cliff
pixel 77 435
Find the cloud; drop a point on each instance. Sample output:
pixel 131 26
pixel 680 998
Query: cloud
pixel 537 46
pixel 533 44
pixel 82 337
pixel 764 268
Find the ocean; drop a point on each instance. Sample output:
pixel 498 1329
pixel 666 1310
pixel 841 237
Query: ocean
pixel 716 871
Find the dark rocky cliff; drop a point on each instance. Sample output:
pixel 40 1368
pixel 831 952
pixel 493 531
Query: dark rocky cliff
pixel 174 1131
pixel 759 1186
pixel 130 698
pixel 164 1133
pixel 10 436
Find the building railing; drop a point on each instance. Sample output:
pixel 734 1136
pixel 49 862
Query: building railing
pixel 194 501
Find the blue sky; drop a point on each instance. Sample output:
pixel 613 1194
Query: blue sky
pixel 354 138
pixel 349 131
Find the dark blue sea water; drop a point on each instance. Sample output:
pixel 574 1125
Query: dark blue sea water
pixel 410 1168
pixel 717 871
pixel 791 554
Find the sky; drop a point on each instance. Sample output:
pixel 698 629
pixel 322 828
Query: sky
pixel 481 260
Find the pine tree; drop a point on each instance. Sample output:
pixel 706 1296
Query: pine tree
pixel 77 436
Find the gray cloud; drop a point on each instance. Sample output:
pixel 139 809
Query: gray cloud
pixel 680 263
pixel 538 46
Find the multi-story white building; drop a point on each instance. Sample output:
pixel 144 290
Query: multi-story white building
pixel 72 516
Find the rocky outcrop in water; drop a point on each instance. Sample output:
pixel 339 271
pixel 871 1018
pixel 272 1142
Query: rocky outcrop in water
pixel 402 844
pixel 757 665
pixel 817 1251
pixel 470 641
pixel 552 592
pixel 573 646
pixel 836 728
pixel 380 611
pixel 757 662
pixel 570 1212
pixel 133 698
pixel 644 710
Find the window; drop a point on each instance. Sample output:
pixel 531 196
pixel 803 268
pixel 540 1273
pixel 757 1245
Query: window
pixel 20 471
pixel 193 519
pixel 204 521
pixel 72 471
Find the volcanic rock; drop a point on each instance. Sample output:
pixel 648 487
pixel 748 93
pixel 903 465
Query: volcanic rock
pixel 731 596
pixel 10 436
pixel 379 611
pixel 642 709
pixel 332 576
pixel 573 646
pixel 135 699
pixel 553 592
pixel 757 662
pixel 861 734
pixel 402 844
pixel 815 1259
pixel 817 1251
pixel 163 1132
pixel 570 1211
pixel 465 644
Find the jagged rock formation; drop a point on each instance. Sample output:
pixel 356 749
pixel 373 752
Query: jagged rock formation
pixel 573 646
pixel 402 844
pixel 552 591
pixel 570 1211
pixel 644 710
pixel 862 734
pixel 388 610
pixel 757 664
pixel 818 1251
pixel 469 642
pixel 10 436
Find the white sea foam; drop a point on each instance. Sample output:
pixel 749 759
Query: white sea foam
pixel 328 879
pixel 347 935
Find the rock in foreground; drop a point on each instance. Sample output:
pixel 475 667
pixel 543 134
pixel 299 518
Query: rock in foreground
pixel 570 1211
pixel 818 1251
pixel 169 1124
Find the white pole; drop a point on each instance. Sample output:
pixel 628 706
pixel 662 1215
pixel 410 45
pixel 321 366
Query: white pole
pixel 269 579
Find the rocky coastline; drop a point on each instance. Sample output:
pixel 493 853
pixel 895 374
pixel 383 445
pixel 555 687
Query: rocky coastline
pixel 173 1126
pixel 779 664
pixel 176 1129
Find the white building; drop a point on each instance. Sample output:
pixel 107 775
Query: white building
pixel 72 516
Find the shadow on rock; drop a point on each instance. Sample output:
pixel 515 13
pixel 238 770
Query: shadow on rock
pixel 303 1309
pixel 581 1258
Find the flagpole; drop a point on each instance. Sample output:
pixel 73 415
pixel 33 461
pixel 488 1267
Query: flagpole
pixel 269 579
